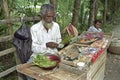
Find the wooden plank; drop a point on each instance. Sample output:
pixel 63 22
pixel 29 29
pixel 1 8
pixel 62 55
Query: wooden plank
pixel 7 51
pixel 100 73
pixel 109 36
pixel 63 75
pixel 8 71
pixel 26 69
pixel 71 69
pixel 6 38
pixel 20 76
pixel 96 66
pixel 19 19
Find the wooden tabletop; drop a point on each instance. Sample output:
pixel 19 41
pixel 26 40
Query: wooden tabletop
pixel 39 74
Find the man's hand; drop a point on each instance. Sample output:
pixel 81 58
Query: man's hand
pixel 52 45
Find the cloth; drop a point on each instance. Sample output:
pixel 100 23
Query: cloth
pixel 71 30
pixel 40 37
pixel 22 42
pixel 92 29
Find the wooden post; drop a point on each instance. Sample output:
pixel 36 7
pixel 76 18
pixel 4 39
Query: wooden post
pixel 20 76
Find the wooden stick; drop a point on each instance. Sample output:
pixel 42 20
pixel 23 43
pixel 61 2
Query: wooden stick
pixel 5 21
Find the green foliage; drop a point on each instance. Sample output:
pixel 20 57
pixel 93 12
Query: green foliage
pixel 3 29
pixel 65 8
pixel 43 61
pixel 1 67
pixel 26 7
pixel 66 38
pixel 1 14
pixel 9 78
pixel 83 16
pixel 107 28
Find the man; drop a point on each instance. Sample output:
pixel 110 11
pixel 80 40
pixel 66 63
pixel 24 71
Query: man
pixel 95 28
pixel 46 33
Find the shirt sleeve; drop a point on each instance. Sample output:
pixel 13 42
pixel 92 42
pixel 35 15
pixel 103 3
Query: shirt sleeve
pixel 94 30
pixel 36 46
pixel 58 35
pixel 91 29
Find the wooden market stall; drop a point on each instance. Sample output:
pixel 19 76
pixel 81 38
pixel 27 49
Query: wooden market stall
pixel 67 71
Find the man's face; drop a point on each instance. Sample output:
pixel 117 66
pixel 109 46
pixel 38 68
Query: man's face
pixel 48 18
pixel 97 25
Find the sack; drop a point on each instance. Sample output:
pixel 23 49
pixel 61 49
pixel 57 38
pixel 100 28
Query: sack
pixel 23 32
pixel 22 41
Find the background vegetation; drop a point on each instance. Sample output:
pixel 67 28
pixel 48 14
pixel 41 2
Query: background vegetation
pixel 27 8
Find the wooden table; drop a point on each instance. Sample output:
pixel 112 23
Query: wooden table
pixel 94 72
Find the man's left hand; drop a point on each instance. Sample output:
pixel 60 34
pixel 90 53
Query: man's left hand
pixel 52 45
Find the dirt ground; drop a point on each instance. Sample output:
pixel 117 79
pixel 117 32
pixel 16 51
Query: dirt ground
pixel 112 71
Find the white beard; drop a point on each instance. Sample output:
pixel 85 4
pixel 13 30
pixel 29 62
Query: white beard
pixel 47 25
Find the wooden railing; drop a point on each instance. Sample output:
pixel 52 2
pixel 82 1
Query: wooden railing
pixel 6 52
pixel 9 38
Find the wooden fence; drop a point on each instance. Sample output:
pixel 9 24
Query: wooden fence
pixel 9 38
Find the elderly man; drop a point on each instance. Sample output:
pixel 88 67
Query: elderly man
pixel 46 33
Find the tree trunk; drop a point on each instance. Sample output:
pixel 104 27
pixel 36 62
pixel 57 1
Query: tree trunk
pixel 9 29
pixel 7 16
pixel 12 20
pixel 5 8
pixel 105 11
pixel 54 3
pixel 76 12
pixel 91 12
pixel 113 9
pixel 96 10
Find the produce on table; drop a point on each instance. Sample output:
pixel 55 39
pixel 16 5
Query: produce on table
pixel 89 37
pixel 43 61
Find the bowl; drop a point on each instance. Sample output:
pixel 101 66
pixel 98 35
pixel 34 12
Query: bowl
pixel 53 57
pixel 50 57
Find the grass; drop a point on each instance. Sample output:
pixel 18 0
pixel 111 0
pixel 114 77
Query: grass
pixel 8 61
pixel 107 28
pixel 12 76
